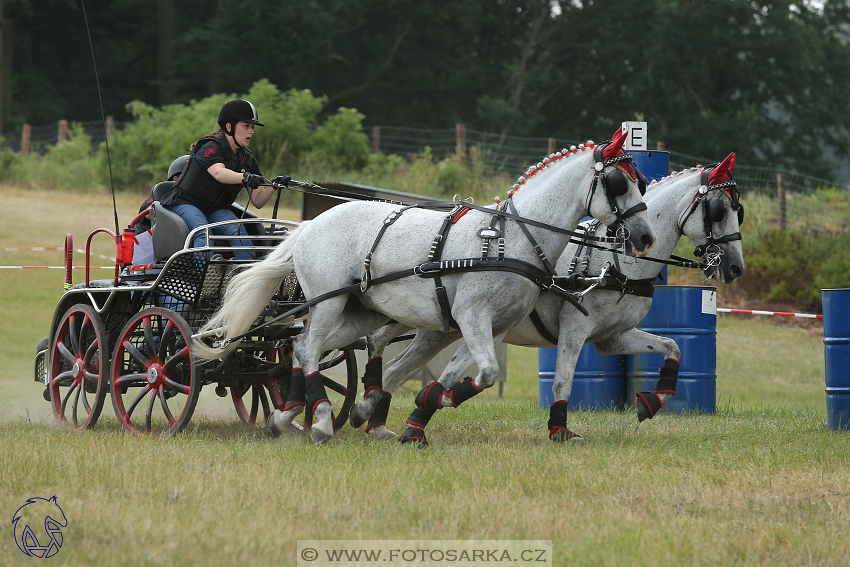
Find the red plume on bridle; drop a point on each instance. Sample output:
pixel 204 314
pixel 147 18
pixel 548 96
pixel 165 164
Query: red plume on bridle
pixel 723 172
pixel 615 148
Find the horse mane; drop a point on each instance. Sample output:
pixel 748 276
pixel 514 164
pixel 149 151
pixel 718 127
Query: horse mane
pixel 547 161
pixel 674 174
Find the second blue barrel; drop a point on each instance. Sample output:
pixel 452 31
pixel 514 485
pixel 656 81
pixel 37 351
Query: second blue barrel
pixel 688 315
pixel 599 381
pixel 836 350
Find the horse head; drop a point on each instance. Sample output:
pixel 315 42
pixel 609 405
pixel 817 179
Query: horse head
pixel 712 221
pixel 616 195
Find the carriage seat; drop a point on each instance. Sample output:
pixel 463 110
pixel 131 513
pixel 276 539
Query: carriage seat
pixel 159 190
pixel 169 230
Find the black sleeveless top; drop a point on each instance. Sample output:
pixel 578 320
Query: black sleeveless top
pixel 197 187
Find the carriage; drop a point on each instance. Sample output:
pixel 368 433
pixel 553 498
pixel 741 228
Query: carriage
pixel 130 335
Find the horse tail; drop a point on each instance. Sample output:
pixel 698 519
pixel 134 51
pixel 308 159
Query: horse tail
pixel 246 296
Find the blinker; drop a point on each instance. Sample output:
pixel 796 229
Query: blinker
pixel 616 183
pixel 716 210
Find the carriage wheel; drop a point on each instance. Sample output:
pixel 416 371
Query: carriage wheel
pixel 262 397
pixel 79 356
pixel 342 396
pixel 152 360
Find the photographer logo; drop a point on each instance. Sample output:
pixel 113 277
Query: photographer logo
pixel 37 526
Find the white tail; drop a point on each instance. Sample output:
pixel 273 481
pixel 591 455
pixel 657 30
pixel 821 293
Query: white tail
pixel 246 296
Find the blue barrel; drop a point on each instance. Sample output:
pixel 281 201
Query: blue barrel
pixel 653 164
pixel 836 352
pixel 599 381
pixel 688 315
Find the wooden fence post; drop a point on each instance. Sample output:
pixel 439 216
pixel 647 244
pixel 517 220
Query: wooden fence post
pixel 376 139
pixel 26 132
pixel 460 145
pixel 781 180
pixel 110 125
pixel 63 132
pixel 550 149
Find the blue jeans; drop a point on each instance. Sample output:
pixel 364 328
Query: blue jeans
pixel 195 218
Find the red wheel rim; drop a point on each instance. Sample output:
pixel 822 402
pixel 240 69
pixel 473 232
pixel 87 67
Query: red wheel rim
pixel 153 361
pixel 77 361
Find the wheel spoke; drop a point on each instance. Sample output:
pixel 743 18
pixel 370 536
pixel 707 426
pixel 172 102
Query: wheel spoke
pixel 334 385
pixel 165 409
pixel 62 379
pixel 182 388
pixel 67 395
pixel 76 403
pixel 136 400
pixel 177 358
pixel 91 351
pixel 85 398
pixel 149 340
pixel 264 400
pixel 149 412
pixel 255 398
pixel 66 354
pixel 165 339
pixel 129 379
pixel 135 353
pixel 72 332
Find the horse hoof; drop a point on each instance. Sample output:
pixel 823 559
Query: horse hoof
pixel 564 435
pixel 357 417
pixel 415 437
pixel 647 405
pixel 323 428
pixel 273 426
pixel 381 433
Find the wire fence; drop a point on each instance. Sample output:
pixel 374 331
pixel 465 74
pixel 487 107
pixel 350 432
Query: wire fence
pixel 38 138
pixel 498 153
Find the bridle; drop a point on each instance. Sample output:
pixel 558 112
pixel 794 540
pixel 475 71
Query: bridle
pixel 714 211
pixel 615 184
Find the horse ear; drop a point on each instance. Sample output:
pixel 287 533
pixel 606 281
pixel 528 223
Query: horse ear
pixel 616 145
pixel 718 174
pixel 618 139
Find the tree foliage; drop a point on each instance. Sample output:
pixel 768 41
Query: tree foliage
pixel 768 79
pixel 141 153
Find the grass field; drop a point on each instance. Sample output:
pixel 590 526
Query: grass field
pixel 761 482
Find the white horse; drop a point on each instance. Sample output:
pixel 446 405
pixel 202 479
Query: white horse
pixel 700 203
pixel 361 242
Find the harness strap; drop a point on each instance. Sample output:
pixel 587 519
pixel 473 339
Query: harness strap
pixel 434 255
pixel 537 248
pixel 541 328
pixel 391 218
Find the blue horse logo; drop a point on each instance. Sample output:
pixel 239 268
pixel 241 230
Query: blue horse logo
pixel 38 527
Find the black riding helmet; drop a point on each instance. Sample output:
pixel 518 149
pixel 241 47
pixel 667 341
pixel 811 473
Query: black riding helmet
pixel 177 166
pixel 235 110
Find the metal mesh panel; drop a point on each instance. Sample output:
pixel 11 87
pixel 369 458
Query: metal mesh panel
pixel 183 277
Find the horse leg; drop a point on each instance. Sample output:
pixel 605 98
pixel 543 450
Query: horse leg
pixel 434 396
pixel 346 330
pixel 570 341
pixel 309 347
pixel 425 345
pixel 373 394
pixel 635 341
